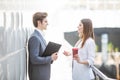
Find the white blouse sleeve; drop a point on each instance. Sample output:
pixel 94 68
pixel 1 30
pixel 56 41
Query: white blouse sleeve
pixel 91 51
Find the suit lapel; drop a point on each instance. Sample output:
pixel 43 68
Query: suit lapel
pixel 41 37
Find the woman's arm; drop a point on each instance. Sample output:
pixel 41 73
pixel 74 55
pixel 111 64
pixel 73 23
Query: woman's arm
pixel 66 53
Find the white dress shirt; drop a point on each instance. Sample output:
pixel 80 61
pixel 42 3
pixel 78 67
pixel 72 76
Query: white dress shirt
pixel 41 32
pixel 86 53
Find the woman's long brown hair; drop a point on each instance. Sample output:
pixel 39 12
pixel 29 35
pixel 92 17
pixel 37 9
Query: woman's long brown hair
pixel 87 30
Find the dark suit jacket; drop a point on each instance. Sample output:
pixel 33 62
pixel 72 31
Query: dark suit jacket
pixel 39 67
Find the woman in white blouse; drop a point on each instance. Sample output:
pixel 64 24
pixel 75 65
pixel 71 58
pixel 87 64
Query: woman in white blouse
pixel 83 61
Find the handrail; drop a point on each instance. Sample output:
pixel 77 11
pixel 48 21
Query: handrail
pixel 11 54
pixel 100 74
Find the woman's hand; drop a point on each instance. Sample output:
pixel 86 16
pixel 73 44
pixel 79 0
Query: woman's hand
pixel 77 58
pixel 66 53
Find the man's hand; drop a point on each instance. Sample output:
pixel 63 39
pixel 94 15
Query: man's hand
pixel 54 56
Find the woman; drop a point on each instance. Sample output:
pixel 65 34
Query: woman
pixel 83 61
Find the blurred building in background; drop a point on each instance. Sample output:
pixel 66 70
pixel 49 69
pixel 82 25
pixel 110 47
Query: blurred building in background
pixel 94 4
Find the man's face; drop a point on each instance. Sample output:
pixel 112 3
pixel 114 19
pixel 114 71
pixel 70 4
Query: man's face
pixel 44 24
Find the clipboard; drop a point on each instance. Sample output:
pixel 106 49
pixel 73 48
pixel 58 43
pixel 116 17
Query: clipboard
pixel 51 48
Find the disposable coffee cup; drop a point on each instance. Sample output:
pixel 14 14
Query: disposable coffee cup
pixel 74 51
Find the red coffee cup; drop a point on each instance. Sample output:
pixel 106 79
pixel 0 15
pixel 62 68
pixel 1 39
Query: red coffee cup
pixel 74 51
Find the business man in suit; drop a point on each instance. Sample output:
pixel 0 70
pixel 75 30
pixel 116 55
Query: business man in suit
pixel 39 67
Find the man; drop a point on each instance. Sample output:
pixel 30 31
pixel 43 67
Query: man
pixel 39 67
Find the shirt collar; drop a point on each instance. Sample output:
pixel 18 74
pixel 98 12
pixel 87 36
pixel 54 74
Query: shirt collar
pixel 41 32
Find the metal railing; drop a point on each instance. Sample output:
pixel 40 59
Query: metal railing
pixel 100 74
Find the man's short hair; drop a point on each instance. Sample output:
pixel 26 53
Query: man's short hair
pixel 39 16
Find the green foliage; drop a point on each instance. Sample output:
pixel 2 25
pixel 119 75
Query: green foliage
pixel 116 49
pixel 97 48
pixel 110 47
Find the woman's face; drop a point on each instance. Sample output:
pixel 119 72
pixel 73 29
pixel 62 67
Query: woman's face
pixel 80 28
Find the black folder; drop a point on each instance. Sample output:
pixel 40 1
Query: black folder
pixel 51 48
